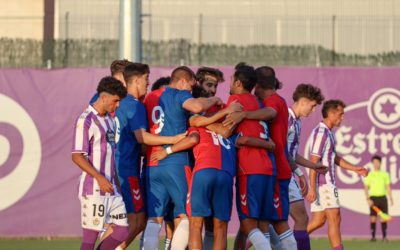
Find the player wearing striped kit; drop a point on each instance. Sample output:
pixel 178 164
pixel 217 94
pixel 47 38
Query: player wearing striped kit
pixel 323 192
pixel 93 152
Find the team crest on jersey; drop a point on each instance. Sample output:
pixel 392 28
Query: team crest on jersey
pixel 96 222
pixel 110 137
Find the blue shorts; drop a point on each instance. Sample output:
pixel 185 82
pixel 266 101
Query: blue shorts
pixel 210 194
pixel 166 184
pixel 132 193
pixel 254 196
pixel 281 200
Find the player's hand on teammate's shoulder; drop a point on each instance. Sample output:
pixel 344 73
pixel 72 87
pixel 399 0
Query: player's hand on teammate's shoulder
pixel 234 107
pixel 105 185
pixel 321 169
pixel 179 137
pixel 159 155
pixel 362 171
pixel 233 119
pixel 217 101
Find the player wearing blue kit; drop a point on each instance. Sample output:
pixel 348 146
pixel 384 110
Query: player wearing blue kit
pixel 166 180
pixel 131 126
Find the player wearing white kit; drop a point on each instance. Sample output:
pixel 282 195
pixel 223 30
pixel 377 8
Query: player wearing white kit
pixel 93 152
pixel 323 192
pixel 306 97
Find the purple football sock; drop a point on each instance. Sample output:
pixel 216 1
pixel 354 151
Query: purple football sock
pixel 340 247
pixel 89 239
pixel 118 235
pixel 302 239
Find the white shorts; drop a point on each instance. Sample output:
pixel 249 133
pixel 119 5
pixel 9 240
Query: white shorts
pixel 327 197
pixel 294 191
pixel 99 210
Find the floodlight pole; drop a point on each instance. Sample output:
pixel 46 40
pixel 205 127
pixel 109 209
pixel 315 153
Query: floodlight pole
pixel 130 30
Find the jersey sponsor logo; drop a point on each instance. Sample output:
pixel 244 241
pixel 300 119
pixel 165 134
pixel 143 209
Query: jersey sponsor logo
pixel 118 216
pixel 22 175
pixel 158 116
pixel 370 127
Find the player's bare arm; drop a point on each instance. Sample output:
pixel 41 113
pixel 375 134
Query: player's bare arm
pixel 318 167
pixel 189 142
pixel 202 121
pixel 255 142
pixel 144 137
pixel 300 176
pixel 346 165
pixel 80 160
pixel 265 114
pixel 312 193
pixel 198 105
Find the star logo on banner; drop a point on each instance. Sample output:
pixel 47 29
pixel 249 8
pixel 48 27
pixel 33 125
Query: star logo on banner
pixel 384 108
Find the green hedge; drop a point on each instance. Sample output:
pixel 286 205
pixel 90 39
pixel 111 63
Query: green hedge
pixel 99 53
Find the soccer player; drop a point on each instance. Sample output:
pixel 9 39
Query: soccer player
pixel 275 111
pixel 210 189
pixel 93 152
pixel 131 126
pixel 323 192
pixel 256 172
pixel 166 180
pixel 116 68
pixel 377 186
pixel 306 97
pixel 160 83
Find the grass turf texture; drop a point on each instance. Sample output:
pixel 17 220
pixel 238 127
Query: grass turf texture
pixel 67 244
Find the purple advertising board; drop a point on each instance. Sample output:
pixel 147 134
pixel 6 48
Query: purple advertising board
pixel 38 181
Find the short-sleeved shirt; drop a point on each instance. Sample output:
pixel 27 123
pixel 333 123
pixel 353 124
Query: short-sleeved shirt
pixel 94 137
pixel 214 151
pixel 293 138
pixel 252 160
pixel 377 182
pixel 323 145
pixel 279 131
pixel 167 117
pixel 130 116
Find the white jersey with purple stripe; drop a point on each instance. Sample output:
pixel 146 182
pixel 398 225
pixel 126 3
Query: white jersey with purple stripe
pixel 323 145
pixel 94 137
pixel 293 139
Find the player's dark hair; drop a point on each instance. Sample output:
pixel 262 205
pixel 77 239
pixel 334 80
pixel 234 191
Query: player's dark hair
pixel 135 69
pixel 182 72
pixel 118 66
pixel 266 78
pixel 162 81
pixel 331 105
pixel 308 91
pixel 246 75
pixel 204 71
pixel 377 157
pixel 111 86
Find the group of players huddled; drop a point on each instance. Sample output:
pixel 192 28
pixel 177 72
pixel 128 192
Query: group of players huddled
pixel 173 155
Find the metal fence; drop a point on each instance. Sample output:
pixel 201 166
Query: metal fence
pixel 99 53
